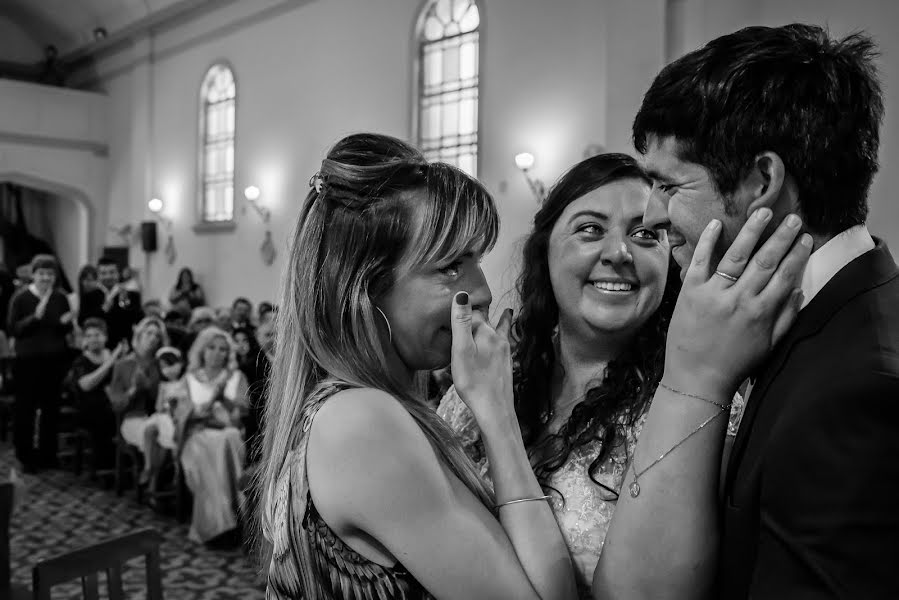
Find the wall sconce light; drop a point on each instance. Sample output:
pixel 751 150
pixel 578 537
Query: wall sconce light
pixel 252 193
pixel 524 161
pixel 156 205
pixel 267 250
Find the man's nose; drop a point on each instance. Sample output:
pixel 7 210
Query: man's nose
pixel 656 214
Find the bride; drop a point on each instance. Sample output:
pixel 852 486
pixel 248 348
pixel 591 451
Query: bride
pixel 597 290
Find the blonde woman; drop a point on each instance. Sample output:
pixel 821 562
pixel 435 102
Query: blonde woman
pixel 365 492
pixel 209 442
pixel 135 382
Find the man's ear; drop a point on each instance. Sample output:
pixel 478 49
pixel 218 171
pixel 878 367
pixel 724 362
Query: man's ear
pixel 765 183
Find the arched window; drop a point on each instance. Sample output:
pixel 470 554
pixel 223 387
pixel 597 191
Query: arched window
pixel 448 57
pixel 217 102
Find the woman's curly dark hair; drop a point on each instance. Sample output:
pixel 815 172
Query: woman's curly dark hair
pixel 630 379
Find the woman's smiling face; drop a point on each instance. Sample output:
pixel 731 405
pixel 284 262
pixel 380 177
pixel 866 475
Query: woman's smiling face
pixel 608 271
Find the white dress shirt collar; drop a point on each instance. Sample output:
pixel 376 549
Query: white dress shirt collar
pixel 830 258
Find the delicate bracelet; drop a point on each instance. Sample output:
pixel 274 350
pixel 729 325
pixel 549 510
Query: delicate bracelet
pixel 680 393
pixel 535 499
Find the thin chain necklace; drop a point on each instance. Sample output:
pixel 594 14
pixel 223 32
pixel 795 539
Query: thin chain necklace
pixel 635 486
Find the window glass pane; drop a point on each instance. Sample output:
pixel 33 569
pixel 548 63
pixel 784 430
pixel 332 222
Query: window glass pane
pixel 459 8
pixel 468 60
pixel 451 64
pixel 229 117
pixel 433 67
pixel 448 85
pixel 432 122
pixel 450 119
pixel 443 11
pixel 228 204
pixel 467 164
pixel 217 164
pixel 467 116
pixel 471 20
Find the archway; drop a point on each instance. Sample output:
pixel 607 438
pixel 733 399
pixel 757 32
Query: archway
pixel 69 215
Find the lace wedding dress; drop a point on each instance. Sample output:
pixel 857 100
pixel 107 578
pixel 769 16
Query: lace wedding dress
pixel 583 509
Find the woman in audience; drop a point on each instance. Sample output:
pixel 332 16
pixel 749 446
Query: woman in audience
pixel 597 290
pixel 39 319
pixel 365 491
pixel 223 319
pixel 266 312
pixel 200 318
pixel 88 377
pixel 254 355
pixel 210 445
pixel 187 290
pixel 87 281
pixel 135 382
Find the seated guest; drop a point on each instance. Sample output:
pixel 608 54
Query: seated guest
pixel 159 431
pixel 254 353
pixel 210 445
pixel 223 319
pixel 135 382
pixel 90 374
pixel 266 312
pixel 153 308
pixel 112 302
pixel 187 290
pixel 200 318
pixel 176 327
pixel 39 320
pixel 241 311
pixel 247 352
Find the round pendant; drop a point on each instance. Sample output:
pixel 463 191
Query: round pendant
pixel 635 489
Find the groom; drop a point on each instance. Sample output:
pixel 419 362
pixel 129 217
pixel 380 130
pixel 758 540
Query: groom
pixel 788 118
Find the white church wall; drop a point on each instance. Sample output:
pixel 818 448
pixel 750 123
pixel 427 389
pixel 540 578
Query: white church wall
pixel 556 78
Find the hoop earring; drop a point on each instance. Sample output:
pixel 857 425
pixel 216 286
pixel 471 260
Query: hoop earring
pixel 386 320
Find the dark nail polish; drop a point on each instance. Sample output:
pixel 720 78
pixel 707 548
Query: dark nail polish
pixel 462 298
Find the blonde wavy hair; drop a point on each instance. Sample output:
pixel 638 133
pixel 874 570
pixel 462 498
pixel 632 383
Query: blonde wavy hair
pixel 204 338
pixel 327 328
pixel 142 326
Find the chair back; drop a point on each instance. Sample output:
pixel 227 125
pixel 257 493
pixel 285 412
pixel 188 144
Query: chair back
pixel 110 556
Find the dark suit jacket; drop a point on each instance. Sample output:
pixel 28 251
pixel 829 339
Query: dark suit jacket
pixel 119 320
pixel 811 495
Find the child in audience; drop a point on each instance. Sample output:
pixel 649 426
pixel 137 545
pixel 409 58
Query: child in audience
pixel 159 435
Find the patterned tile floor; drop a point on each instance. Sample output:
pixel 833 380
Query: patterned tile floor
pixel 61 512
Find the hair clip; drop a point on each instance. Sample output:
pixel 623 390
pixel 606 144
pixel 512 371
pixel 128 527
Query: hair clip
pixel 316 181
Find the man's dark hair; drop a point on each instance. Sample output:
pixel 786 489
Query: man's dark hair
pixel 106 261
pixel 792 90
pixel 242 300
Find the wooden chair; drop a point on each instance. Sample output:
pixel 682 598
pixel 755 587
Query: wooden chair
pixel 108 556
pixel 128 463
pixel 176 490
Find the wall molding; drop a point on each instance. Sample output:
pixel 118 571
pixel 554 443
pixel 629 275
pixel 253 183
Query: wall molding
pixel 95 148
